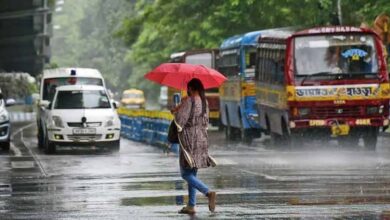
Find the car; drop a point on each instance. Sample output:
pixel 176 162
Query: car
pixel 81 115
pixel 5 125
pixel 51 79
pixel 133 98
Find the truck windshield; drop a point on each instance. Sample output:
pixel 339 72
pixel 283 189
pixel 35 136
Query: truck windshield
pixel 50 84
pixel 349 55
pixel 82 99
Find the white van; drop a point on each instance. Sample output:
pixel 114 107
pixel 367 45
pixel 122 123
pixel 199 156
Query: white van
pixel 53 78
pixel 81 115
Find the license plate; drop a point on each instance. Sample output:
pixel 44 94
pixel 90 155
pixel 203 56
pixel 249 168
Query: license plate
pixel 214 114
pixel 84 131
pixel 340 130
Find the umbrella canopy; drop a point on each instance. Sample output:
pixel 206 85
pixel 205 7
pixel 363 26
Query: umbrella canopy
pixel 177 75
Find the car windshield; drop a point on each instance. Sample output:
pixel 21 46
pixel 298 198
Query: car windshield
pixel 133 96
pixel 353 55
pixel 50 84
pixel 82 99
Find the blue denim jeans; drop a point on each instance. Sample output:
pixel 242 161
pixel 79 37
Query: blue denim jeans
pixel 194 184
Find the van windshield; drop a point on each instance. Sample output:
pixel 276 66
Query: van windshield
pixel 82 99
pixel 50 84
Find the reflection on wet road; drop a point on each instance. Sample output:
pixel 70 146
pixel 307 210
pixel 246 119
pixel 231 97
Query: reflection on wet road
pixel 143 182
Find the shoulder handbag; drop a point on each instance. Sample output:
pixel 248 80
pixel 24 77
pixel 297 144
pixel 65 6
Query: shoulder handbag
pixel 173 137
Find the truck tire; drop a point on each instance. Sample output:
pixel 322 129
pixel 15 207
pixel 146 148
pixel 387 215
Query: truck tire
pixel 370 138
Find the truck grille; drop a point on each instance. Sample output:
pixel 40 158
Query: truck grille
pixel 326 112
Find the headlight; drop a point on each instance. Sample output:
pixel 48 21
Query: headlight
pixel 57 121
pixel 372 110
pixel 303 111
pixel 110 122
pixel 3 117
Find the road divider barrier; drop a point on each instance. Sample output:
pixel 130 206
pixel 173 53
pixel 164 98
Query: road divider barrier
pixel 148 126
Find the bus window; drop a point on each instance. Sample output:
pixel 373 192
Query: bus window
pixel 205 59
pixel 280 67
pixel 250 62
pixel 228 65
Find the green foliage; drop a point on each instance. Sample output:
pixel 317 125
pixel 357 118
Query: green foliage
pixel 127 38
pixel 86 38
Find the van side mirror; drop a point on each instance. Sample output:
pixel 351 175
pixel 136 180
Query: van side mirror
pixel 114 104
pixel 44 104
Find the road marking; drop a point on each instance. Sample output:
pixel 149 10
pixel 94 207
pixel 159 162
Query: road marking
pixel 22 164
pixel 30 151
pixel 15 150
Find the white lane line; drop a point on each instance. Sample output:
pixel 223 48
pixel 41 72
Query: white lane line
pixel 15 149
pixel 37 161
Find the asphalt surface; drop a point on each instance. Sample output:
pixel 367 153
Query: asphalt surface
pixel 317 181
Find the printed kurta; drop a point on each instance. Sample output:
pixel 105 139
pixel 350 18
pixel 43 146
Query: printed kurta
pixel 193 132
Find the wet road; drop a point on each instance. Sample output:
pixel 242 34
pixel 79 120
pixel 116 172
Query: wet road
pixel 143 182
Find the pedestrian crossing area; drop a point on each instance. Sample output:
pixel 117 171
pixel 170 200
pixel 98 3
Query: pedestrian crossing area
pixel 21 116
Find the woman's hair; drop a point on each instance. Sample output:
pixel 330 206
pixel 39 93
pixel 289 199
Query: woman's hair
pixel 196 85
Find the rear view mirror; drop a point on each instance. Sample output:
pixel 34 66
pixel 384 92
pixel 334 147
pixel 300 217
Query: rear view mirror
pixel 115 104
pixel 44 104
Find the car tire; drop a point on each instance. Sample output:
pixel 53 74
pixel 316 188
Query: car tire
pixel 50 147
pixel 41 142
pixel 115 146
pixel 5 146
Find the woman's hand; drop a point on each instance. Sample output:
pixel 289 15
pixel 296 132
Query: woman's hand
pixel 175 109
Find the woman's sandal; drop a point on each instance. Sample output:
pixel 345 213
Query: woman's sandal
pixel 187 210
pixel 212 196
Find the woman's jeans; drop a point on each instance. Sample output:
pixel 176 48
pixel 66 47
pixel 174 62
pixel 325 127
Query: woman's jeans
pixel 194 184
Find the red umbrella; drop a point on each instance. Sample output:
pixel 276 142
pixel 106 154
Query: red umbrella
pixel 177 75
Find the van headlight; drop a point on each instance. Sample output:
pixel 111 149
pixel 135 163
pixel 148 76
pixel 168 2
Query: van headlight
pixel 110 122
pixel 4 117
pixel 57 121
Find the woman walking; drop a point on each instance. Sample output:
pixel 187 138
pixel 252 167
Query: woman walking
pixel 191 118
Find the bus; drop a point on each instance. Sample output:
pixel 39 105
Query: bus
pixel 321 83
pixel 206 57
pixel 237 95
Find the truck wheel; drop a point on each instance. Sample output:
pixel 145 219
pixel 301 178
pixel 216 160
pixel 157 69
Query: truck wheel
pixel 370 138
pixel 229 130
pixel 246 136
pixel 50 147
pixel 349 141
pixel 284 140
pixel 5 146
